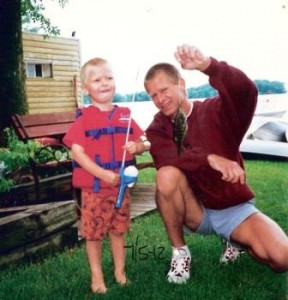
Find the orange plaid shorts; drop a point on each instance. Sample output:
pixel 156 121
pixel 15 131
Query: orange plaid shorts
pixel 99 216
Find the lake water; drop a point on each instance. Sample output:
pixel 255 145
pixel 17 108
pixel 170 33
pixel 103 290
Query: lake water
pixel 143 112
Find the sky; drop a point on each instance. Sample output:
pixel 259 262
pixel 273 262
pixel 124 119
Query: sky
pixel 135 34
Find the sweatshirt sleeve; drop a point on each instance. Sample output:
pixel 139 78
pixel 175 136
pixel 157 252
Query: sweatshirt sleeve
pixel 237 93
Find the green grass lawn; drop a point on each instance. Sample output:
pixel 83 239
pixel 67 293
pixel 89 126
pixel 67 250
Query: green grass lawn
pixel 66 275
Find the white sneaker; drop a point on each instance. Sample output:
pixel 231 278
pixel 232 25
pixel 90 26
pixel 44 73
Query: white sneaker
pixel 230 253
pixel 180 266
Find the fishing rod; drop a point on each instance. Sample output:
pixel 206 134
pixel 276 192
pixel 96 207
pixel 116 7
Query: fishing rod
pixel 130 120
pixel 129 175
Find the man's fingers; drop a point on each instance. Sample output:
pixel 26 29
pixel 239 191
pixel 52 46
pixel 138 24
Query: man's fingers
pixel 234 173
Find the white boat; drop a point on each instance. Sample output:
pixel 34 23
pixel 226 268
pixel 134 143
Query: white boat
pixel 271 131
pixel 275 114
pixel 266 150
pixel 267 138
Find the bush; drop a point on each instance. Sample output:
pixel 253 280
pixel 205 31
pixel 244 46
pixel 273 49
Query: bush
pixel 13 158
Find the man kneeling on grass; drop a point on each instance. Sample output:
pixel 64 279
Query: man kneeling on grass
pixel 200 173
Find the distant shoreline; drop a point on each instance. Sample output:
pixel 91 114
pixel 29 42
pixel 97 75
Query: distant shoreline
pixel 143 111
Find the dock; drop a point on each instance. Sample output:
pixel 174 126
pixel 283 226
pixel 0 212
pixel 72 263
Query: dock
pixel 143 199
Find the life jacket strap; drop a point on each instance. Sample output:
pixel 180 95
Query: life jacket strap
pixel 96 133
pixel 107 166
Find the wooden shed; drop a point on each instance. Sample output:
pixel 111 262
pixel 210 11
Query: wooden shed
pixel 52 73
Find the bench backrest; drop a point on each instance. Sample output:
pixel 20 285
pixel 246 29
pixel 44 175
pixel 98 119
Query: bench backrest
pixel 42 125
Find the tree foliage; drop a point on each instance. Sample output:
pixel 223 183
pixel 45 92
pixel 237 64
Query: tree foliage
pixel 12 71
pixel 12 88
pixel 203 91
pixel 206 91
pixel 32 14
pixel 270 87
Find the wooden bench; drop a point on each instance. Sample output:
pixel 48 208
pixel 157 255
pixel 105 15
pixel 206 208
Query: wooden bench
pixel 48 129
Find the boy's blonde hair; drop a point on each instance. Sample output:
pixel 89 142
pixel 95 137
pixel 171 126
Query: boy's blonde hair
pixel 90 63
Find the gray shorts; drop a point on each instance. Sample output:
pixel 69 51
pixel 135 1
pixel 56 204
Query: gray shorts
pixel 223 222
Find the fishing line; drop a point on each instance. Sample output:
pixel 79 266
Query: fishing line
pixel 129 175
pixel 147 11
pixel 180 124
pixel 130 119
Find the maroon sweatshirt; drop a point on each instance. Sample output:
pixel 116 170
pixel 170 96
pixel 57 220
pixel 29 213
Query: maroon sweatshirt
pixel 216 126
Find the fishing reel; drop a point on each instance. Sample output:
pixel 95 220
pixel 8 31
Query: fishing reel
pixel 128 178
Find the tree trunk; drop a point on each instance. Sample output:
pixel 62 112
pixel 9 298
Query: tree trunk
pixel 12 72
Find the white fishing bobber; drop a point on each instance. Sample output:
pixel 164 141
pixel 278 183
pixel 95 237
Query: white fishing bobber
pixel 131 171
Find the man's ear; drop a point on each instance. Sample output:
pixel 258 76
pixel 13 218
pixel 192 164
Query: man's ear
pixel 182 83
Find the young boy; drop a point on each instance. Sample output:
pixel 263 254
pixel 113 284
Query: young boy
pixel 97 140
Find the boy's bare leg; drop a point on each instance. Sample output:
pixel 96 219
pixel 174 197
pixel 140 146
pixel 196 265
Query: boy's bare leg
pixel 94 253
pixel 118 252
